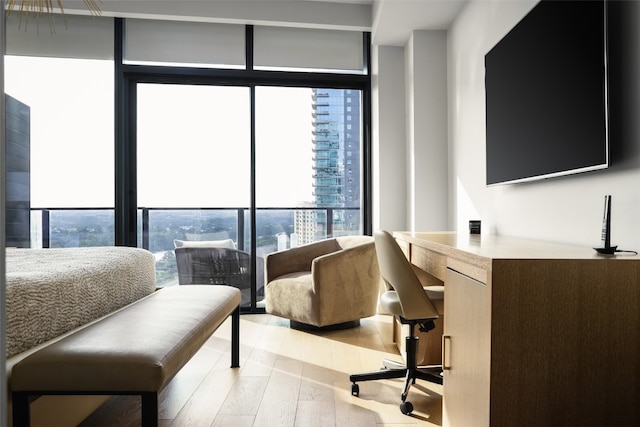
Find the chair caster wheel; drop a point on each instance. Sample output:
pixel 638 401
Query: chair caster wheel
pixel 406 408
pixel 355 389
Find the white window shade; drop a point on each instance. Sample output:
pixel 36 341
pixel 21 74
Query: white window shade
pixel 184 43
pixel 83 37
pixel 313 49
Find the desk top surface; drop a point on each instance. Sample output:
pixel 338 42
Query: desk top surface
pixel 491 247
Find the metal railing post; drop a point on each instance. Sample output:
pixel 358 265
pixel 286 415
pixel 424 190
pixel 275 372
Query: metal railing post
pixel 46 232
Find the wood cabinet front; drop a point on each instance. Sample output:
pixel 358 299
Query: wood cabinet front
pixel 466 349
pixel 535 333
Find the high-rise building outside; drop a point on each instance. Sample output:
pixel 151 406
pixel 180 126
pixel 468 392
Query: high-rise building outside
pixel 18 173
pixel 336 163
pixel 304 225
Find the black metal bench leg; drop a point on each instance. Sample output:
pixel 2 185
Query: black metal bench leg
pixel 21 416
pixel 149 409
pixel 235 338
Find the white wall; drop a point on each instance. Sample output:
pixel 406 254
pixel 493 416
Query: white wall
pixel 410 134
pixel 567 209
pixel 389 140
pixel 426 100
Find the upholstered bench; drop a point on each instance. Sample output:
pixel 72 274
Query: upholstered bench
pixel 136 350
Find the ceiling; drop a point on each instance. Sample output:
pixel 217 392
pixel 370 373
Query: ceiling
pixel 390 21
pixel 394 20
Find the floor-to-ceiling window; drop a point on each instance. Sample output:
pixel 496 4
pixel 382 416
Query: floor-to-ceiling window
pixel 306 93
pixel 221 131
pixel 308 146
pixel 63 121
pixel 193 168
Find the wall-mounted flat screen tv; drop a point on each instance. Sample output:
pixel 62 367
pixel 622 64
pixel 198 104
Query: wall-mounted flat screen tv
pixel 546 94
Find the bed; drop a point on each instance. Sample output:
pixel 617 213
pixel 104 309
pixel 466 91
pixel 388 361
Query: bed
pixel 52 291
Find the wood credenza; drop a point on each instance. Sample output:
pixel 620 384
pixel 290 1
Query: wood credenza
pixel 535 333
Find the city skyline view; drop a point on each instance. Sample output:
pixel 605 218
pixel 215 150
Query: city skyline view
pixel 194 146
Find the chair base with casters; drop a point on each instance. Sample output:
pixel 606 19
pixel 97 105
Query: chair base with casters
pixel 410 371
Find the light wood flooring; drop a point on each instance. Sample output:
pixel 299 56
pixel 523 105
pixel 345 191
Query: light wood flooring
pixel 286 378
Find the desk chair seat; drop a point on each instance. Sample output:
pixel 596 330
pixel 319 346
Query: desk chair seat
pixel 407 299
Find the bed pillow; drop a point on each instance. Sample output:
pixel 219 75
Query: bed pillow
pixel 226 243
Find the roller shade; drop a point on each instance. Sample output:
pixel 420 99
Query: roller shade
pixel 312 49
pixel 85 37
pixel 184 43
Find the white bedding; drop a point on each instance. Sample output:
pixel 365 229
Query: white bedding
pixel 52 291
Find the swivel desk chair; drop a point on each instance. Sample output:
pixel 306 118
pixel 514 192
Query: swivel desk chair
pixel 407 299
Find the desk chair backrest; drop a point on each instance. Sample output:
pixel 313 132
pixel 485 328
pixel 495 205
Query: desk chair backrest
pixel 397 272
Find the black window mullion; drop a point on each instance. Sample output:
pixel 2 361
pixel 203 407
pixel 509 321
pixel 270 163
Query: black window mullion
pixel 252 203
pixel 367 176
pixel 248 42
pixel 125 152
pixel 253 210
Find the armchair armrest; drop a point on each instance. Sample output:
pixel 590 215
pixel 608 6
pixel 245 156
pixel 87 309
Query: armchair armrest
pixel 355 267
pixel 297 259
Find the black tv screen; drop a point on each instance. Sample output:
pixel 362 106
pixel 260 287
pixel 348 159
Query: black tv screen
pixel 546 94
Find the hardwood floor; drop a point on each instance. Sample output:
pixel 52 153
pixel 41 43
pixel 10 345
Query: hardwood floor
pixel 286 378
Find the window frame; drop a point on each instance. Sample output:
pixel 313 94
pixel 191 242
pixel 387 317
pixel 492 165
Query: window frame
pixel 127 76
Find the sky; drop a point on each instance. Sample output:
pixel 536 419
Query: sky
pixel 193 141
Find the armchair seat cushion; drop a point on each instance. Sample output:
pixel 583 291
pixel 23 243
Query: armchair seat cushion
pixel 291 297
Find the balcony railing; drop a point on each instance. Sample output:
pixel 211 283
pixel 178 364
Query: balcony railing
pixel 276 229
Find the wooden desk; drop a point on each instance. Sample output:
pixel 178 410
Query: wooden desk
pixel 535 333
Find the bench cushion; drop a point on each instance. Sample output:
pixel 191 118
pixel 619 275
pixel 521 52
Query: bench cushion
pixel 139 348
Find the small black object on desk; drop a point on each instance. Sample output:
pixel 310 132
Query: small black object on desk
pixel 474 226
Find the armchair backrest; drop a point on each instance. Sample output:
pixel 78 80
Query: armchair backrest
pixel 299 258
pixel 347 242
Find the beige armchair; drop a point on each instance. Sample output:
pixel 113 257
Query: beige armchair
pixel 332 283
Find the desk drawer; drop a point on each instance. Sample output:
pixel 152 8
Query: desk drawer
pixel 432 262
pixel 475 272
